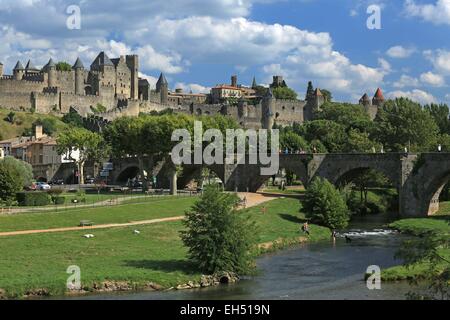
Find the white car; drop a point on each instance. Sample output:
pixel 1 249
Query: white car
pixel 42 186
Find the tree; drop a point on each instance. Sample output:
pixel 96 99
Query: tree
pixel 331 134
pixel 218 238
pixel 73 118
pixel 430 250
pixel 284 93
pixel 325 205
pixel 327 95
pixel 87 144
pixel 359 142
pixel 403 123
pixel 10 117
pixel 292 141
pixel 24 169
pixel 349 115
pixel 440 113
pixel 63 66
pixel 9 183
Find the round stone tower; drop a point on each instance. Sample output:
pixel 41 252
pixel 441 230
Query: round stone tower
pixel 79 77
pixel 268 107
pixel 50 68
pixel 18 71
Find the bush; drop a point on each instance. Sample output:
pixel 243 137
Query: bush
pixel 219 239
pixel 33 199
pixel 58 200
pixel 325 205
pixel 55 191
pixel 10 184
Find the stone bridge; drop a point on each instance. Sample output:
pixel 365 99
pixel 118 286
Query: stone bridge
pixel 419 178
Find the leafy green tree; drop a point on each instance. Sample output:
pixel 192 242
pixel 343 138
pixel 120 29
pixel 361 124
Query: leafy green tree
pixel 293 142
pixel 284 93
pixel 10 117
pixel 349 115
pixel 440 113
pixel 402 123
pixel 331 134
pixel 89 145
pixel 327 95
pixel 218 238
pixel 25 170
pixel 63 66
pixel 430 250
pixel 48 127
pixel 9 183
pixel 73 118
pixel 358 142
pixel 325 205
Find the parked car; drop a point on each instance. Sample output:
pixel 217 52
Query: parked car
pixel 42 186
pixel 90 181
pixel 57 182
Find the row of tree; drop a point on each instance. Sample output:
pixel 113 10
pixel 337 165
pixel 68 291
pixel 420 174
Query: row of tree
pixel 399 124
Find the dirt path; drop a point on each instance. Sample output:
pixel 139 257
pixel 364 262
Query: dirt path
pixel 253 199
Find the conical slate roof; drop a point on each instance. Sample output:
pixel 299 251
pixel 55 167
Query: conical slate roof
pixel 19 66
pixel 161 81
pixel 102 60
pixel 30 66
pixel 50 64
pixel 365 97
pixel 78 64
pixel 254 84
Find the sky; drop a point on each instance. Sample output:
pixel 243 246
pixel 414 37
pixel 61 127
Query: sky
pixel 201 43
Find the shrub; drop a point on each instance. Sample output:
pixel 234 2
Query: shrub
pixel 55 191
pixel 219 239
pixel 33 199
pixel 58 200
pixel 325 205
pixel 9 182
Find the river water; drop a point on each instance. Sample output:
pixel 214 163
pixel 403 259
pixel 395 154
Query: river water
pixel 325 270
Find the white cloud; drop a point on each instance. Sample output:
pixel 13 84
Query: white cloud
pixel 406 81
pixel 194 87
pixel 417 95
pixel 432 79
pixel 169 36
pixel 438 13
pixel 440 60
pixel 400 52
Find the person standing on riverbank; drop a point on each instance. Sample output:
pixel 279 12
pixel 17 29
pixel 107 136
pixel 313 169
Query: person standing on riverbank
pixel 305 228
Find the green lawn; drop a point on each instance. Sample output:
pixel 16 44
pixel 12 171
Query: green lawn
pixel 156 255
pixel 152 208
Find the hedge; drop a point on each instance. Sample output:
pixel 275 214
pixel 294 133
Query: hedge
pixel 33 199
pixel 58 200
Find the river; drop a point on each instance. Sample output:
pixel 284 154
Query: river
pixel 324 270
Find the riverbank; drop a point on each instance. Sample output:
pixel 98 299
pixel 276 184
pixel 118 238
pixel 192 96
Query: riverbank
pixel 120 258
pixel 417 227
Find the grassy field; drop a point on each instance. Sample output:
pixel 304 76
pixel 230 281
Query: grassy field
pixel 152 208
pixel 155 255
pixel 418 227
pixel 23 120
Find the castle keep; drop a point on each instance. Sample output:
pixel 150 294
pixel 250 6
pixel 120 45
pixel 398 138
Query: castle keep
pixel 111 88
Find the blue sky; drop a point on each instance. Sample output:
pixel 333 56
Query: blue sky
pixel 200 43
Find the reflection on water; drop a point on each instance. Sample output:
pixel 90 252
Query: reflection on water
pixel 323 270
